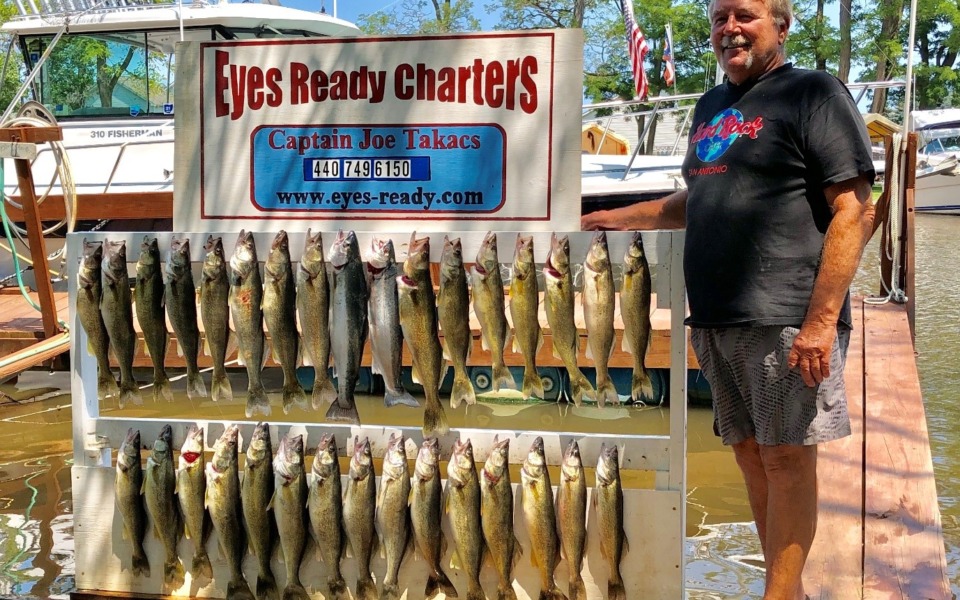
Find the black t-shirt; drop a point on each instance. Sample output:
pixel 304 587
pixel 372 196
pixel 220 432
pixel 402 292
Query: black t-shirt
pixel 759 159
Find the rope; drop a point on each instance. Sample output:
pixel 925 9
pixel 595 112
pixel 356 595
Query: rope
pixel 892 229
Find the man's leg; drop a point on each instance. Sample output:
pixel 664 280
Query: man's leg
pixel 791 522
pixel 747 453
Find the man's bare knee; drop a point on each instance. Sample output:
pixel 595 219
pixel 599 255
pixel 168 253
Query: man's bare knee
pixel 789 464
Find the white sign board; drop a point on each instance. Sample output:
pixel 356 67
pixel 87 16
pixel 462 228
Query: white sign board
pixel 460 132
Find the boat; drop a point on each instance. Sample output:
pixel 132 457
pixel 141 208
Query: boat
pixel 104 71
pixel 938 184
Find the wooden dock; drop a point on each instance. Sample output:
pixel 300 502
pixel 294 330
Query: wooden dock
pixel 879 534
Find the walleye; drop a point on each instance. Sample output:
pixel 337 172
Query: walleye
pixel 558 303
pixel 256 493
pixel 453 310
pixel 425 512
pixel 349 331
pixel 359 507
pixel 418 318
pixel 313 305
pixel 635 312
pixel 496 509
pixel 572 517
pixel 279 311
pixel 608 503
pixel 524 310
pixel 598 307
pixel 117 316
pixel 148 299
pixel 181 301
pixel 129 486
pixel 215 314
pixel 159 489
pixel 325 506
pixel 393 518
pixel 541 520
pixel 488 305
pixel 89 287
pixel 463 505
pixel 223 503
pixel 191 489
pixel 290 511
pixel 386 336
pixel 246 301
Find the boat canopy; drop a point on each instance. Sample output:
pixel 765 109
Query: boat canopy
pixel 941 118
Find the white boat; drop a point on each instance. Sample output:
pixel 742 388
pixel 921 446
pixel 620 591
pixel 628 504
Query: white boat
pixel 108 79
pixel 938 171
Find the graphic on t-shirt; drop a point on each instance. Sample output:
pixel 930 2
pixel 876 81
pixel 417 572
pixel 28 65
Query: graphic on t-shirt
pixel 713 139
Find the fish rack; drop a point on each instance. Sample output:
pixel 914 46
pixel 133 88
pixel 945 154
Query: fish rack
pixel 655 520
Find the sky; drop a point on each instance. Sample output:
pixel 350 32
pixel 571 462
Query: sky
pixel 350 10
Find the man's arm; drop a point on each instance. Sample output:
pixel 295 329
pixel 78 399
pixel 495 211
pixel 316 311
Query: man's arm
pixel 848 232
pixel 666 213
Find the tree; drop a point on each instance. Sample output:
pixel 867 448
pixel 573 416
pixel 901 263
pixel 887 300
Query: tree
pixel 417 16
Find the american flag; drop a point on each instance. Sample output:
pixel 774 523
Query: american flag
pixel 637 46
pixel 669 72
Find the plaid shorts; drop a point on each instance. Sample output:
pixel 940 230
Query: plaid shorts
pixel 756 395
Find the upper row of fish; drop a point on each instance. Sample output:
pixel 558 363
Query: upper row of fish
pixel 378 298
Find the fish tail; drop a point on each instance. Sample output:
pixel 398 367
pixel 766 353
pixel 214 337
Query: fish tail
pixel 390 591
pixel 503 378
pixel 195 385
pixel 323 392
pixel 161 387
pixel 266 586
pixel 295 591
pixel 106 384
pixel 141 566
pixel 434 419
pixel 532 384
pixel 129 394
pixel 580 387
pixel 577 589
pixel 173 574
pixel 201 563
pixel 462 390
pixel 615 590
pixel 366 589
pixel 439 582
pixel 475 592
pixel 507 593
pixel 338 588
pixel 554 593
pixel 239 590
pixel 607 393
pixel 220 388
pixel 293 396
pixel 257 400
pixel 398 397
pixel 642 385
pixel 346 414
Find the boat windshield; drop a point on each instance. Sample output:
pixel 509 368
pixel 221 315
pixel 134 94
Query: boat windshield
pixel 118 73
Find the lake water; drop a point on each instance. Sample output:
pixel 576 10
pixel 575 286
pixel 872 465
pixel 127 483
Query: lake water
pixel 722 549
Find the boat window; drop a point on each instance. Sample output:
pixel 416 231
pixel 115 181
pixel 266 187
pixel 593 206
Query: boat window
pixel 114 74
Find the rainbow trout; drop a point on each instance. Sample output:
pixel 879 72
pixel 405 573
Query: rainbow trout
pixel 349 331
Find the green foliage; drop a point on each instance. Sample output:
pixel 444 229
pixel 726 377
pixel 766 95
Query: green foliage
pixel 419 16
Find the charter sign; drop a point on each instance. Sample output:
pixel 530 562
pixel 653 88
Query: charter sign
pixel 459 132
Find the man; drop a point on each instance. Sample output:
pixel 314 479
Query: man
pixel 777 210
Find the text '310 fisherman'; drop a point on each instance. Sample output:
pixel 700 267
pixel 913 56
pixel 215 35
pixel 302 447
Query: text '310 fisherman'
pixel 507 84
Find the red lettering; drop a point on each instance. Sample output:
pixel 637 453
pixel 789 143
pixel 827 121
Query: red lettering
pixel 274 77
pixel 400 89
pixel 221 83
pixel 528 99
pixel 298 83
pixel 270 139
pixel 255 89
pixel 493 86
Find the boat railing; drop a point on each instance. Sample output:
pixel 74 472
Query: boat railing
pixel 67 8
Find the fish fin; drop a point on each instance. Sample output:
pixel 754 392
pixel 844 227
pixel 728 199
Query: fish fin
pixel 455 561
pixel 642 385
pixel 503 379
pixel 206 347
pixel 179 347
pixel 532 384
pixel 240 360
pixel 273 497
pixel 390 591
pixel 239 590
pixel 129 393
pixel 161 389
pixel 434 419
pixel 626 544
pixel 173 574
pixel 580 388
pixel 257 401
pixel 221 388
pixel 337 588
pixel 556 353
pixel 195 386
pixel 589 352
pixel 323 392
pixel 517 552
pixel 515 346
pixel 142 346
pixel 445 501
pixel 539 340
pixel 507 593
pixel 483 343
pixel 307 359
pixel 615 591
pixel 201 562
pixel 447 355
pixel 349 414
pixel 402 397
pixel 366 589
pixel 141 566
pixel 534 561
pixel 232 343
pixel 462 390
pixel 295 591
pixel 415 376
pixel 293 396
pixel 267 586
pixel 577 589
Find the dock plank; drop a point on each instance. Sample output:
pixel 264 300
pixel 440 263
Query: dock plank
pixel 834 569
pixel 903 541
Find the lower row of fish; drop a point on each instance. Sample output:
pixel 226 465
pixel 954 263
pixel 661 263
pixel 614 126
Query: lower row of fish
pixel 274 504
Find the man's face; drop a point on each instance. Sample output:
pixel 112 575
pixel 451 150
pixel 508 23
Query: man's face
pixel 746 38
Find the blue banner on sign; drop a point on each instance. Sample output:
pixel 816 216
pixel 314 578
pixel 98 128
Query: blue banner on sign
pixel 402 168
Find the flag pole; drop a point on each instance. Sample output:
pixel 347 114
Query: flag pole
pixel 673 53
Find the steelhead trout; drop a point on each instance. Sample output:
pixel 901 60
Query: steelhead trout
pixel 349 331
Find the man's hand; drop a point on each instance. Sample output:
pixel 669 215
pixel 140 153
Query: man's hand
pixel 811 352
pixel 595 221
